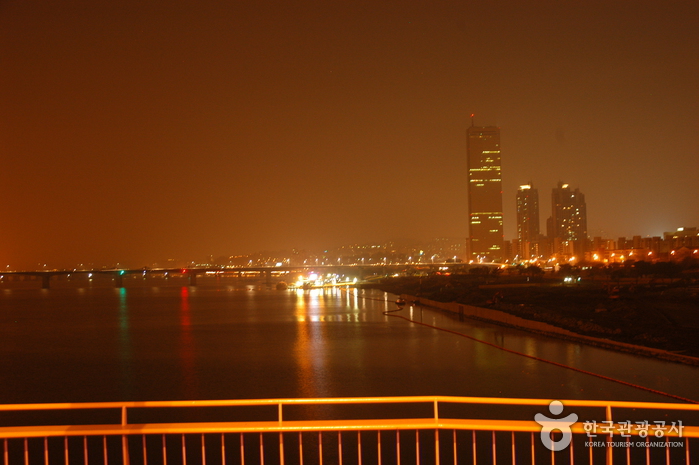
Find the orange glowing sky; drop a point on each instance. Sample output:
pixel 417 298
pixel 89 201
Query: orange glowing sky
pixel 137 131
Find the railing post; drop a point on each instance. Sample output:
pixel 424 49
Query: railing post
pixel 339 448
pixel 145 455
pixel 281 448
pixel 281 437
pixel 262 450
pixel 124 438
pixel 456 456
pixel 359 448
pixel 320 448
pixel 223 449
pixel 242 449
pixel 300 449
pixel 494 449
pixel 398 447
pixel 436 433
pixel 417 446
pixel 125 449
pixel 610 457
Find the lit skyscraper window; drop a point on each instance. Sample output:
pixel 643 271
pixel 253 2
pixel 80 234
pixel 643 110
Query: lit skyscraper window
pixel 527 220
pixel 484 194
pixel 568 223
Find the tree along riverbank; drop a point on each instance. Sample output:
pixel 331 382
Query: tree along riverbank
pixel 661 316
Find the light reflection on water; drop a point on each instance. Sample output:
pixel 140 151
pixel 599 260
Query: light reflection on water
pixel 232 342
pixel 125 342
pixel 309 348
pixel 187 357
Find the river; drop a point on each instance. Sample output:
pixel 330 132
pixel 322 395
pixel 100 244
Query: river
pixel 222 340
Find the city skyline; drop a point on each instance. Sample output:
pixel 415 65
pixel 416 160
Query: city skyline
pixel 543 252
pixel 526 197
pixel 132 132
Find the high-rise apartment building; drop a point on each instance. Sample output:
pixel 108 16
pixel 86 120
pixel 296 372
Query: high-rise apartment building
pixel 527 221
pixel 567 227
pixel 484 194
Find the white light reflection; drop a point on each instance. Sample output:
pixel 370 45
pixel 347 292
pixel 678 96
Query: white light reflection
pixel 310 345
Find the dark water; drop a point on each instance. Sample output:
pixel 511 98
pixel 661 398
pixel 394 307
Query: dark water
pixel 223 341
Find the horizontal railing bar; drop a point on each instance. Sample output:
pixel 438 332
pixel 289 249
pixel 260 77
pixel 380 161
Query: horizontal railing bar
pixel 346 400
pixel 299 426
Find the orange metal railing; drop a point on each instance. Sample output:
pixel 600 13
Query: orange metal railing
pixel 444 427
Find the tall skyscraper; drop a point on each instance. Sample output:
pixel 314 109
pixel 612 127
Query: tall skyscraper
pixel 527 221
pixel 484 194
pixel 568 223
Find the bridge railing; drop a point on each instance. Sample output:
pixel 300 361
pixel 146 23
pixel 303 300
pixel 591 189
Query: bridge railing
pixel 423 429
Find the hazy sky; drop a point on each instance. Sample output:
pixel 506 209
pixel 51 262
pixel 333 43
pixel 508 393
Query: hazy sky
pixel 135 131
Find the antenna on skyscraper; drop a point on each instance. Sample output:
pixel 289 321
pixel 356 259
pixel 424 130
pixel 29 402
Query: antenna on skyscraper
pixel 472 123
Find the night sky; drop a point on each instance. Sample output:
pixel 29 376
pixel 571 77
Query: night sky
pixel 136 131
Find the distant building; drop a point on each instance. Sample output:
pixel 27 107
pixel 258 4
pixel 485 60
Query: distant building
pixel 510 250
pixel 527 221
pixel 621 243
pixel 687 237
pixel 567 227
pixel 484 194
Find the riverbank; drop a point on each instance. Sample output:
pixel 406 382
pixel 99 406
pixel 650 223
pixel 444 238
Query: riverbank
pixel 660 322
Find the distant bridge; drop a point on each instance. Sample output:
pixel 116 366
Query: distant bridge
pixel 360 271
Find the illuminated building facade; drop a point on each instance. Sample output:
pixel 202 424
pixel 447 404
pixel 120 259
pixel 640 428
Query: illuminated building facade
pixel 484 194
pixel 687 237
pixel 567 227
pixel 527 222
